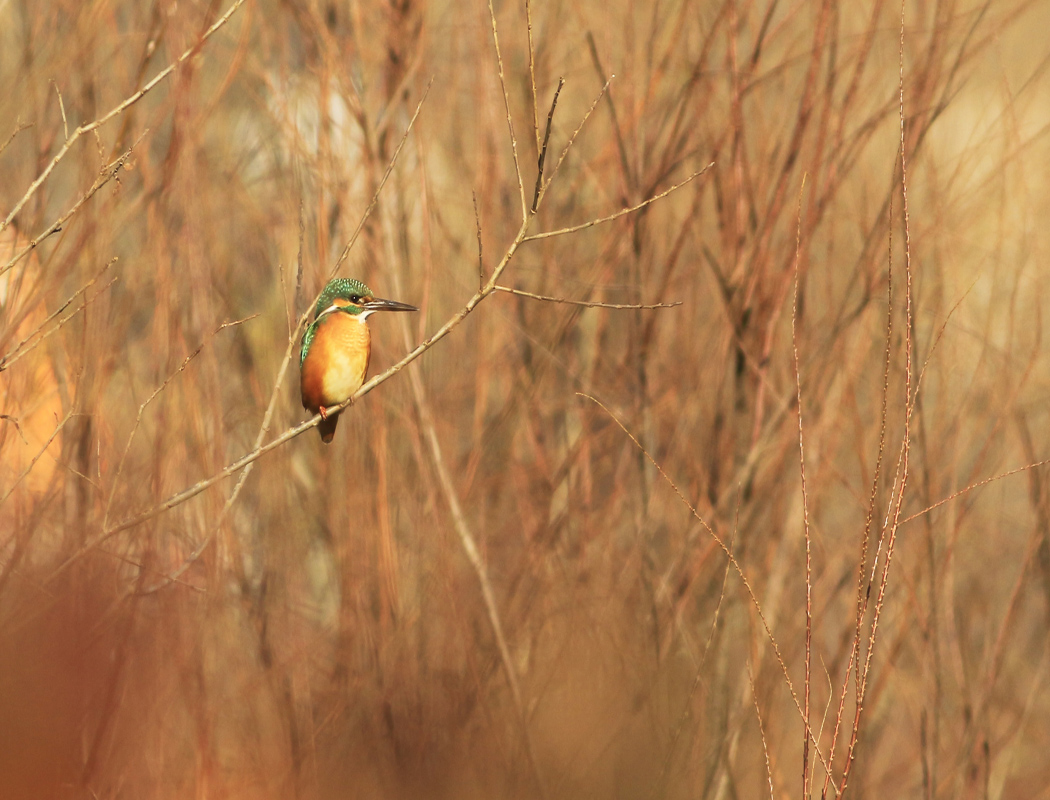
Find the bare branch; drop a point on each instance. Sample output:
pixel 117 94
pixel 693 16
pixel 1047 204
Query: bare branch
pixel 532 84
pixel 19 127
pixel 585 303
pixel 622 212
pixel 572 139
pixel 477 227
pixel 542 149
pixel 510 121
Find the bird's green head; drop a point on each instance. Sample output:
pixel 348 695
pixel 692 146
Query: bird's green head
pixel 346 296
pixel 343 294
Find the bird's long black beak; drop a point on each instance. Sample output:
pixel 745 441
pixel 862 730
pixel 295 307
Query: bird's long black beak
pixel 378 304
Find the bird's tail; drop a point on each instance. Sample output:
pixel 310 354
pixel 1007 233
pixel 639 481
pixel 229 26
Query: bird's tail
pixel 327 428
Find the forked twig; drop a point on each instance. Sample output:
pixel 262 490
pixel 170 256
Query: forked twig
pixel 572 139
pixel 543 148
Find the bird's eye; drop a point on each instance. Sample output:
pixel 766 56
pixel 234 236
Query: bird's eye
pixel 355 299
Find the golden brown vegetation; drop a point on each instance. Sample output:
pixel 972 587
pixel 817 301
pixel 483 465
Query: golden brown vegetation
pixel 486 587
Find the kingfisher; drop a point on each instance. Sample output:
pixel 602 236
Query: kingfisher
pixel 336 347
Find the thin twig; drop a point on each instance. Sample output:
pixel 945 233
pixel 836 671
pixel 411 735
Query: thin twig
pixel 510 121
pixel 893 516
pixel 375 197
pixel 869 519
pixel 14 421
pixel 19 127
pixel 532 84
pixel 543 148
pixel 762 731
pixel 575 133
pixel 658 786
pixel 62 108
pixel 481 255
pixel 973 486
pixel 621 212
pixel 585 303
pixel 805 499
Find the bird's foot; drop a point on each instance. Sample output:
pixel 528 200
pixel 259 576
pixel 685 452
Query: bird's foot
pixel 323 411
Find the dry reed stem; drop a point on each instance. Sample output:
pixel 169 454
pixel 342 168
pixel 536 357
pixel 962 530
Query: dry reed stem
pixel 762 732
pixel 892 523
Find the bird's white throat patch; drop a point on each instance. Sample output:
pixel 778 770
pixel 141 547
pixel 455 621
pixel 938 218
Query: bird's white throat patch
pixel 360 317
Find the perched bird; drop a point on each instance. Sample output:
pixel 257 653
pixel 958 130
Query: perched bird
pixel 336 346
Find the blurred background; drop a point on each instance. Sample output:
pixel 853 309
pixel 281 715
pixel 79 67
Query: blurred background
pixel 319 630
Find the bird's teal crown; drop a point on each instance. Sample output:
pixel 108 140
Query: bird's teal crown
pixel 344 288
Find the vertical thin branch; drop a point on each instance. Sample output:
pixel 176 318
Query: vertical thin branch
pixel 543 148
pixel 762 732
pixel 532 78
pixel 892 522
pixel 510 120
pixel 481 254
pixel 805 504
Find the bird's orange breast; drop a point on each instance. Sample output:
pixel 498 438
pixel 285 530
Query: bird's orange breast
pixel 336 364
